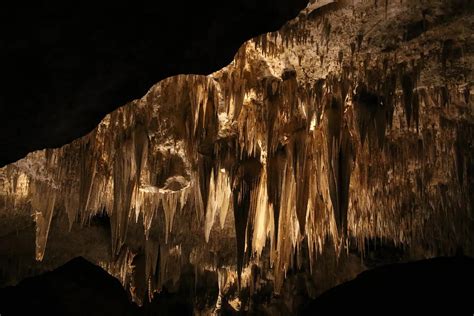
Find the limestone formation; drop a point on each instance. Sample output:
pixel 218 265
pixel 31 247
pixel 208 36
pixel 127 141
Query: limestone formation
pixel 354 122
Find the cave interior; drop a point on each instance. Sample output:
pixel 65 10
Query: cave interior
pixel 285 157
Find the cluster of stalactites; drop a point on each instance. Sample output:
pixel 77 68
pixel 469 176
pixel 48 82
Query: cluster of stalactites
pixel 297 32
pixel 353 156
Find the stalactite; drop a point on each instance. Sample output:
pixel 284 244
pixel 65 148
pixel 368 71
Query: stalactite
pixel 271 97
pixel 276 164
pixel 339 155
pixel 245 182
pixel 288 229
pixel 299 153
pixel 127 170
pixel 359 38
pixel 264 226
pixel 170 204
pixel 408 85
pixel 302 163
pixel 445 52
pixel 444 96
pixel 219 201
pixel 43 203
pixel 416 109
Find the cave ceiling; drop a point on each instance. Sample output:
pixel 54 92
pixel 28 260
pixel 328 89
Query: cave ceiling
pixel 351 125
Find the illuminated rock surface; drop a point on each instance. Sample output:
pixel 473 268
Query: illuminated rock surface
pixel 348 131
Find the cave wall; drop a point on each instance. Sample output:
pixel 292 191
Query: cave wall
pixel 351 126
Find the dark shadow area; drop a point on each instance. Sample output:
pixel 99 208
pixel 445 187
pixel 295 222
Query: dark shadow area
pixel 82 288
pixel 166 303
pixel 65 65
pixel 439 284
pixel 76 288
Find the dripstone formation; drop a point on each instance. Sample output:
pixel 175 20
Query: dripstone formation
pixel 347 132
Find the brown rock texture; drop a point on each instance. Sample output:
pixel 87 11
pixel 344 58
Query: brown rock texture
pixel 352 125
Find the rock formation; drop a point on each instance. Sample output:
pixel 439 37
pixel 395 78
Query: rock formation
pixel 352 126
